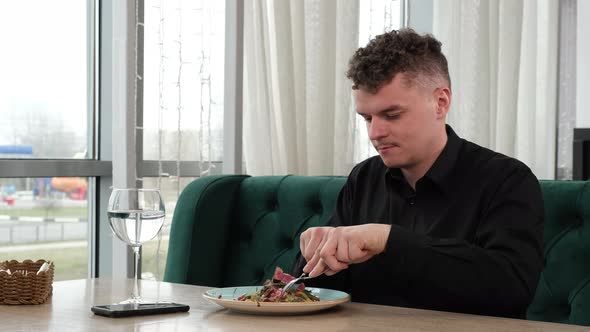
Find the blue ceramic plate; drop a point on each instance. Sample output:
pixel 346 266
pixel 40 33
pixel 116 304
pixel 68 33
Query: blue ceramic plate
pixel 227 297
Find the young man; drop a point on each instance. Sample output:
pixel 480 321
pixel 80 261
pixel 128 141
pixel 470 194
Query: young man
pixel 434 221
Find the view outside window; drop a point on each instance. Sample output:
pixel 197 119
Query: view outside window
pixel 43 88
pixel 44 115
pixel 46 218
pixel 184 47
pixel 183 80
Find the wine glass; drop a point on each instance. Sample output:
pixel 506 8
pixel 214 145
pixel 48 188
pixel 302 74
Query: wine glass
pixel 136 216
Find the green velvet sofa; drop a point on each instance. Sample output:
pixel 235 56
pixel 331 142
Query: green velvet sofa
pixel 233 230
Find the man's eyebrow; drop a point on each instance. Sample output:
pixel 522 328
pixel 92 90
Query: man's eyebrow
pixel 392 108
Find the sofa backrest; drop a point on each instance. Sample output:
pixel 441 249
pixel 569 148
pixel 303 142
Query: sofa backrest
pixel 272 212
pixel 563 292
pixel 234 230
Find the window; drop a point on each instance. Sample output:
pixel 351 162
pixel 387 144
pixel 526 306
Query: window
pixel 48 164
pixel 46 218
pixel 183 80
pixel 183 105
pixel 43 88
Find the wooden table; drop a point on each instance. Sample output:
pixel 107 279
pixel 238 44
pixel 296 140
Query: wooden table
pixel 69 310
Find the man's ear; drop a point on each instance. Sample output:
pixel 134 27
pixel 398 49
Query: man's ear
pixel 442 97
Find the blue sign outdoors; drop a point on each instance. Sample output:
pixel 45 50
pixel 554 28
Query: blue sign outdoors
pixel 16 149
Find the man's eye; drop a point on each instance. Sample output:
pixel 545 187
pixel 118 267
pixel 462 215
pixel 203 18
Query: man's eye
pixel 367 119
pixel 392 116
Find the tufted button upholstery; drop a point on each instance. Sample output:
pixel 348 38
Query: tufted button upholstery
pixel 234 229
pixel 563 293
pixel 295 204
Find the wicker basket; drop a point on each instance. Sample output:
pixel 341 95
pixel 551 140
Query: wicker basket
pixel 18 288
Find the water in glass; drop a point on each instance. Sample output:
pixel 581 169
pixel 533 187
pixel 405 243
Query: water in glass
pixel 136 216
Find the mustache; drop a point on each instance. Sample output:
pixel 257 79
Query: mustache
pixel 381 145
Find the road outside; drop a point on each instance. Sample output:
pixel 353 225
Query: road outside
pixel 57 231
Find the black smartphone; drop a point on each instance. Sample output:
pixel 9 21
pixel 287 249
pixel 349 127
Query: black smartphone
pixel 126 310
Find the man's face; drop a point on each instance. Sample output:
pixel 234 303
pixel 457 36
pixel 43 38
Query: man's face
pixel 404 121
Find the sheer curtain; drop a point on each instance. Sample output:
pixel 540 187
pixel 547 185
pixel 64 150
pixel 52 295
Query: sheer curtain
pixel 297 101
pixel 503 64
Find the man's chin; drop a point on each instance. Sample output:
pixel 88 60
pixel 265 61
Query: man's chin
pixel 391 162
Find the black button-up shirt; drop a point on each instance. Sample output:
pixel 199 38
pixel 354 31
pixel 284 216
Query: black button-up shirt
pixel 468 239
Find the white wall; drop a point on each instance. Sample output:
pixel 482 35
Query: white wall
pixel 583 65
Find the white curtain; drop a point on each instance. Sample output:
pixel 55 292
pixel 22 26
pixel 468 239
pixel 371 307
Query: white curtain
pixel 503 65
pixel 297 101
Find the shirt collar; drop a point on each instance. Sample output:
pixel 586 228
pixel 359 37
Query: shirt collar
pixel 443 165
pixel 441 170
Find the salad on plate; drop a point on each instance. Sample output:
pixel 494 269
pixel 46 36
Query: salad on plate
pixel 272 291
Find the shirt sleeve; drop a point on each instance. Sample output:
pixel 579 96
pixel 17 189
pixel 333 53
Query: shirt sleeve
pixel 497 274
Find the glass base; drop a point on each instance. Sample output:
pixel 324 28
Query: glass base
pixel 136 300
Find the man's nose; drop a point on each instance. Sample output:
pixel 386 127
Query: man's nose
pixel 377 129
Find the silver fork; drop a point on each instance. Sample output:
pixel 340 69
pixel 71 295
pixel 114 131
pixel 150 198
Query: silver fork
pixel 289 285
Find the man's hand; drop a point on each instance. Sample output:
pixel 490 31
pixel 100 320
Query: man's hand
pixel 330 250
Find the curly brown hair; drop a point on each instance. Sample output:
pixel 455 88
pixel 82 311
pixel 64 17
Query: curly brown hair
pixel 419 57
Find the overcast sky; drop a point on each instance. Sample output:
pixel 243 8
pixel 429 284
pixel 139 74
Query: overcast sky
pixel 43 60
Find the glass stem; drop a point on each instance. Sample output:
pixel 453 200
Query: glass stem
pixel 136 295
